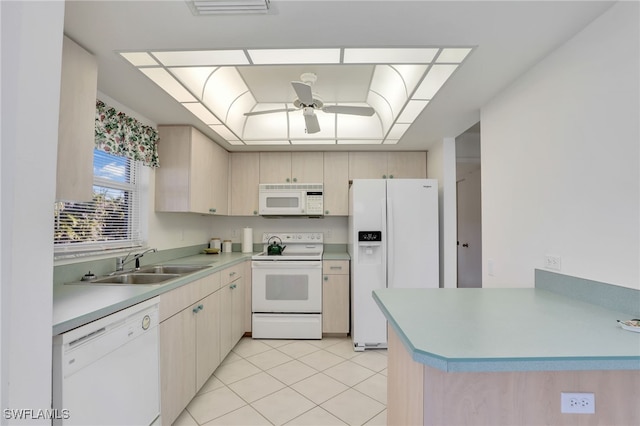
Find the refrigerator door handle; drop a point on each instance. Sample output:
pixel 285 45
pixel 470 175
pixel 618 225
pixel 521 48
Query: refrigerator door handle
pixel 390 244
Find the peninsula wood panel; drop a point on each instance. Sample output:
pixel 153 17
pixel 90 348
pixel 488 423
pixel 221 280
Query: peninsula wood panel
pixel 503 398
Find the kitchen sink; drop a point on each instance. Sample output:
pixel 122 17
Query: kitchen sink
pixel 171 269
pixel 136 278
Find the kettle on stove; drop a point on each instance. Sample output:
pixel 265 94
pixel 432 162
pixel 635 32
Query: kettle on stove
pixel 275 248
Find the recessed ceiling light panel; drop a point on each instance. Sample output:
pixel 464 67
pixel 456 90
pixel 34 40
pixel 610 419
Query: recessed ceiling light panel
pixel 201 58
pixel 389 56
pixel 294 56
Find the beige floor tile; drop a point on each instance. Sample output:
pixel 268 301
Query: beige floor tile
pixel 212 384
pixel 298 349
pixel 319 387
pixel 353 407
pixel 248 346
pixel 269 359
pixel 316 417
pixel 257 386
pixel 185 419
pixel 343 349
pixel 231 357
pixel 214 404
pixel 384 372
pixel 276 343
pixel 349 373
pixel 245 416
pixel 292 372
pixel 282 406
pixel 234 371
pixel 379 420
pixel 372 360
pixel 321 360
pixel 325 342
pixel 375 387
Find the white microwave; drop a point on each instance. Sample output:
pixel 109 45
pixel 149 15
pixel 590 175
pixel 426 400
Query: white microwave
pixel 291 199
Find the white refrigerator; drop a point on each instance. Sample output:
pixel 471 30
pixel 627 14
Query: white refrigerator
pixel 393 242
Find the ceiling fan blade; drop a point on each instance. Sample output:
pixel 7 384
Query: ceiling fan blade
pixel 353 110
pixel 269 111
pixel 303 91
pixel 311 121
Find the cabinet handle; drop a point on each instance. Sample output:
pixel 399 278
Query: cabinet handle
pixel 384 176
pixel 326 278
pixel 335 267
pixel 295 179
pixel 232 274
pixel 212 210
pixel 200 307
pixel 197 309
pixel 288 180
pixel 390 176
pixel 255 212
pixel 326 212
pixel 233 286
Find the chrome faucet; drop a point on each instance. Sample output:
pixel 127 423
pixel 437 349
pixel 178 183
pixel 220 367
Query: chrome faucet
pixel 121 261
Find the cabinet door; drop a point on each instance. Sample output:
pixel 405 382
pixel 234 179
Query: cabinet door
pixel 220 184
pixel 177 364
pixel 207 337
pixel 244 172
pixel 275 167
pixel 335 296
pixel 307 167
pixel 237 303
pixel 172 178
pixel 406 165
pixel 336 183
pixel 226 310
pixel 367 165
pixel 76 124
pixel 201 176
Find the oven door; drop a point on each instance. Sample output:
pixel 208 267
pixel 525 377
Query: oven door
pixel 286 286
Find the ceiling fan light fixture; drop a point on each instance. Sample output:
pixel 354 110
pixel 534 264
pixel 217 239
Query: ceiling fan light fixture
pixel 217 7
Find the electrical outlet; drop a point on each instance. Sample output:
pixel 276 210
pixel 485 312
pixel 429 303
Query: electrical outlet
pixel 577 403
pixel 553 262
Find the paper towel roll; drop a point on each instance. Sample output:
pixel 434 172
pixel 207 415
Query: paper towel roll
pixel 247 240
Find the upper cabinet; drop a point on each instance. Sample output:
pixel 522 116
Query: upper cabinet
pixel 78 90
pixel 291 167
pixel 193 173
pixel 387 165
pixel 244 178
pixel 336 183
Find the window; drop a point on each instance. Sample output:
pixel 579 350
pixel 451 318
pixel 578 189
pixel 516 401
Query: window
pixel 112 219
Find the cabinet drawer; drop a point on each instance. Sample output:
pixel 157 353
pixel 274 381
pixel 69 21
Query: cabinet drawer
pixel 207 285
pixel 335 267
pixel 231 274
pixel 178 299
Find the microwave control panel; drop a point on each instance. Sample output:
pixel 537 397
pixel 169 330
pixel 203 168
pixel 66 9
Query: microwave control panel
pixel 314 202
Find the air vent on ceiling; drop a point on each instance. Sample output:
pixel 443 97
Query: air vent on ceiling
pixel 216 7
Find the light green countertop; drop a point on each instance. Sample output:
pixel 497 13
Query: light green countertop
pixel 78 304
pixel 508 330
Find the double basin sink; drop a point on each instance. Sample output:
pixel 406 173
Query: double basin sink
pixel 150 275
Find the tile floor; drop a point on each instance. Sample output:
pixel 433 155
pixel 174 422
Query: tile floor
pixel 293 382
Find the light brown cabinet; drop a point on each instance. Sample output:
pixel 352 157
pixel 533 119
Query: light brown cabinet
pixel 232 299
pixel 76 123
pixel 387 165
pixel 335 296
pixel 291 167
pixel 244 178
pixel 193 173
pixel 336 183
pixel 189 342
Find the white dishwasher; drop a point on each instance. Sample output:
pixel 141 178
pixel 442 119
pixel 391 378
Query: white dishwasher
pixel 107 372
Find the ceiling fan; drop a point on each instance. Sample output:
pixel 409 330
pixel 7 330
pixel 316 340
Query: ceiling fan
pixel 308 102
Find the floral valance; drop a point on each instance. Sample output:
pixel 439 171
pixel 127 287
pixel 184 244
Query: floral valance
pixel 119 134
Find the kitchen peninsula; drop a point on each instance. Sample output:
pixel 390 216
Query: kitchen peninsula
pixel 503 357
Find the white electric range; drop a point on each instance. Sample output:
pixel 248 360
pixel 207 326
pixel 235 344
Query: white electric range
pixel 287 287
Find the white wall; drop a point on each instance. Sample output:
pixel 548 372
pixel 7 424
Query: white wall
pixel 441 165
pixel 31 59
pixel 560 161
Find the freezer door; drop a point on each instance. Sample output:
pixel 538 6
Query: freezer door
pixel 368 261
pixel 412 233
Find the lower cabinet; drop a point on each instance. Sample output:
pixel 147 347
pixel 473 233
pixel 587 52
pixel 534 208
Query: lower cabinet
pixel 200 323
pixel 335 296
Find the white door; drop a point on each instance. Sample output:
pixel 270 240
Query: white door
pixel 469 230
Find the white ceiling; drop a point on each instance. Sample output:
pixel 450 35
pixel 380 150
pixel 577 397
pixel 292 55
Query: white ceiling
pixel 511 36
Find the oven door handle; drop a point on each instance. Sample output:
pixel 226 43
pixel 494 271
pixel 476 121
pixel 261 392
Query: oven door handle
pixel 289 264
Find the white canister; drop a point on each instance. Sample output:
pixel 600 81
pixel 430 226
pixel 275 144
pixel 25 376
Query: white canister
pixel 226 246
pixel 215 243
